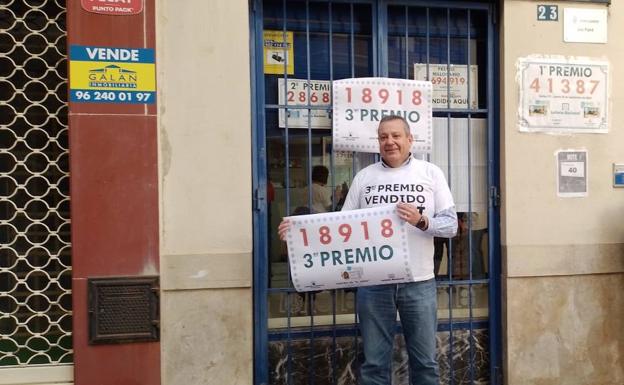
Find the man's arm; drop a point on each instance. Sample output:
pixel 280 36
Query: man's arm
pixel 443 224
pixel 352 201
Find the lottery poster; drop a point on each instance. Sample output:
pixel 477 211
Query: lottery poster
pixel 450 84
pixel 360 103
pixel 300 95
pixel 563 95
pixel 348 249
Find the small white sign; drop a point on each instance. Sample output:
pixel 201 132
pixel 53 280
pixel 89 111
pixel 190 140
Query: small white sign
pixel 564 95
pixel 584 25
pixel 360 103
pixel 300 92
pixel 571 173
pixel 451 81
pixel 574 169
pixel 348 249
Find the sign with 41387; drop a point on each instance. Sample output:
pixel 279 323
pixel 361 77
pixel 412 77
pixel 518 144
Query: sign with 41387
pixel 563 95
pixel 348 249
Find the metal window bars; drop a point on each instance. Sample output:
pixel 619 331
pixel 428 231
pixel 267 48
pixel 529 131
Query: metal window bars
pixel 313 338
pixel 35 248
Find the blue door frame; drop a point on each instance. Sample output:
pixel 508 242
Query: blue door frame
pixel 380 68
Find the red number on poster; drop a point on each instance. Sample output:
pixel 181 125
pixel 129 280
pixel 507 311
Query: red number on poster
pixel 580 86
pixel 366 95
pixel 383 96
pixel 302 97
pixel 325 237
pixel 416 98
pixel 386 228
pixel 346 231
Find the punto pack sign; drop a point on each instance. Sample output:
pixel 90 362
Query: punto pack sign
pixel 113 7
pixel 112 75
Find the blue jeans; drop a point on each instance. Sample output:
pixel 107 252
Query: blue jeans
pixel 417 306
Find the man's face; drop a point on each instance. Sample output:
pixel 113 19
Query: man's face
pixel 394 142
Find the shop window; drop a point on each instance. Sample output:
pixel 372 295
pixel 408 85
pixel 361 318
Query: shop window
pixel 308 44
pixel 337 41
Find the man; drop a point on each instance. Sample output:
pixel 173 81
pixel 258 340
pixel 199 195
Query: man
pixel 425 202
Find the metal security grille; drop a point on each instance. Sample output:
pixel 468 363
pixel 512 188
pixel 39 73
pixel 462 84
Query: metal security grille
pixel 301 46
pixel 35 249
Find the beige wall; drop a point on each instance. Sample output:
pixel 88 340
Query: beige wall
pixel 563 258
pixel 205 187
pixel 565 330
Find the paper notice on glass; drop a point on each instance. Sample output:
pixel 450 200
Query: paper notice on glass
pixel 299 93
pixel 278 52
pixel 451 80
pixel 571 173
pixel 348 249
pixel 360 103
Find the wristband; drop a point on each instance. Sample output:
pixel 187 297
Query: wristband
pixel 422 223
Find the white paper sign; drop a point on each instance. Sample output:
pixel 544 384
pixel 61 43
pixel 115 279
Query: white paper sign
pixel 584 25
pixel 348 249
pixel 360 103
pixel 571 173
pixel 452 81
pixel 574 169
pixel 298 93
pixel 563 95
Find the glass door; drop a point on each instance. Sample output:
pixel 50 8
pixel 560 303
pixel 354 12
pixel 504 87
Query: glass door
pixel 300 47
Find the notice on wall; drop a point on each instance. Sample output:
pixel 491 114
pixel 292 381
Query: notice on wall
pixel 360 103
pixel 111 75
pixel 562 95
pixel 298 92
pixel 348 249
pixel 451 80
pixel 278 52
pixel 584 25
pixel 571 173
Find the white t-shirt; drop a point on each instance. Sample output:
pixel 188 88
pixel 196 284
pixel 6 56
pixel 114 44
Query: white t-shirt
pixel 417 182
pixel 321 198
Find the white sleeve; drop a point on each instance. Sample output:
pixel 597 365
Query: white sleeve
pixel 442 194
pixel 352 201
pixel 326 196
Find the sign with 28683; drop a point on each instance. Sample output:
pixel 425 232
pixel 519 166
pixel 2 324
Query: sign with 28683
pixel 347 249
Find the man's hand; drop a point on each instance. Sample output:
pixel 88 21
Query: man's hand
pixel 283 228
pixel 409 213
